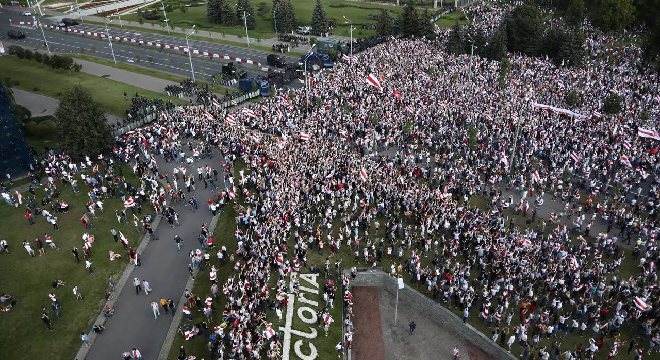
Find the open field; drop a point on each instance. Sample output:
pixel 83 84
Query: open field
pixel 30 76
pixel 29 279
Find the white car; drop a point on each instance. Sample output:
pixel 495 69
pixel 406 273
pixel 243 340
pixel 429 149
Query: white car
pixel 26 13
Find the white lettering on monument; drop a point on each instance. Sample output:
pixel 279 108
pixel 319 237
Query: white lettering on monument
pixel 306 314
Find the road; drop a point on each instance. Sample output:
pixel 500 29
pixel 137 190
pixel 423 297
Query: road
pixel 171 61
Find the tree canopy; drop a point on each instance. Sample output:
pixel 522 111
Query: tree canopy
pixel 246 5
pixel 284 15
pixel 82 126
pixel 320 24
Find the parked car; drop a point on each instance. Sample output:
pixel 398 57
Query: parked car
pixel 70 22
pixel 275 60
pixel 26 13
pixel 15 34
pixel 304 30
pixel 60 24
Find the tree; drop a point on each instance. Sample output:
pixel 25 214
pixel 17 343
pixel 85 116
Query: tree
pixel 525 28
pixel 246 5
pixel 426 27
pixel 575 12
pixel 407 23
pixel 213 11
pixel 284 15
pixel 385 23
pixel 226 13
pixel 456 42
pixel 82 127
pixel 612 104
pixel 319 19
pixel 613 15
pixel 497 48
pixel 572 98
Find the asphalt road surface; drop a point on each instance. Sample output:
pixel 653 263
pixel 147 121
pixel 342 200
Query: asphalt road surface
pixel 171 61
pixel 166 270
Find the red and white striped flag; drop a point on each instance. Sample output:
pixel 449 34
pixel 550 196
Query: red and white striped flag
pixel 304 136
pixel 230 119
pixel 597 114
pixel 641 304
pixel 373 80
pixel 215 102
pixel 208 115
pixel 648 133
pixel 626 144
pixel 249 112
pixel 535 176
pixel 130 202
pixel 626 161
pixel 583 240
pixel 396 94
pixel 233 102
pixel 575 157
pixel 255 137
pixel 345 57
pixel 363 174
pixel 20 197
pixel 264 108
pixel 481 77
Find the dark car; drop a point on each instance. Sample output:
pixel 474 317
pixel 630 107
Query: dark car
pixel 69 22
pixel 231 70
pixel 15 34
pixel 275 60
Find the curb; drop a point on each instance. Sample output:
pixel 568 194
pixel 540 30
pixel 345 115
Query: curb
pixel 101 320
pixel 176 319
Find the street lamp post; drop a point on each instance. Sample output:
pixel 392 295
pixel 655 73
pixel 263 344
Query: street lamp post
pixel 166 20
pixel 246 32
pixel 43 34
pixel 275 20
pixel 309 53
pixel 515 141
pixel 471 53
pixel 119 15
pixel 107 33
pixel 192 31
pixel 346 21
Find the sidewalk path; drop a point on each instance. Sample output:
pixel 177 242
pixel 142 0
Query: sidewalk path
pixel 138 80
pixel 41 105
pixel 166 270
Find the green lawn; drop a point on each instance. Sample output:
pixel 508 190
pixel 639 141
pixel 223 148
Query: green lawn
pixel 29 279
pixel 449 20
pixel 39 78
pixel 264 26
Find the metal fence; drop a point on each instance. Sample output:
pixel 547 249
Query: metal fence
pixel 152 114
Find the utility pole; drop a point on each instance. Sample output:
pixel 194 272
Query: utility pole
pixel 118 14
pixel 192 31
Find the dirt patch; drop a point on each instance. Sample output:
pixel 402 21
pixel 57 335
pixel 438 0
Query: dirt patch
pixel 475 353
pixel 368 336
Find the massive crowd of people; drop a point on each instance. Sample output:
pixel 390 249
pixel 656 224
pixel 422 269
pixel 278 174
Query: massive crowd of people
pixel 401 139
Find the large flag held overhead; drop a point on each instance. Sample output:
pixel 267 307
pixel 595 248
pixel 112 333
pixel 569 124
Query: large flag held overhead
pixel 230 120
pixel 648 133
pixel 626 161
pixel 215 102
pixel 373 80
pixel 130 202
pixel 363 174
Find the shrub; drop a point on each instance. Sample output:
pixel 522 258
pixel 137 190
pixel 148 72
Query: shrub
pixel 612 104
pixel 30 128
pixel 572 98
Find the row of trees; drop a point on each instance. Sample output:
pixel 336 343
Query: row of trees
pixel 221 12
pixel 522 31
pixel 410 22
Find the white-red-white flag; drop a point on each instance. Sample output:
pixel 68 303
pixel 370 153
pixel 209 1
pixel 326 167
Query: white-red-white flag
pixel 249 112
pixel 627 144
pixel 208 115
pixel 215 102
pixel 130 202
pixel 231 120
pixel 641 304
pixel 303 136
pixel 575 157
pixel 396 94
pixel 20 197
pixel 373 80
pixel 363 174
pixel 626 161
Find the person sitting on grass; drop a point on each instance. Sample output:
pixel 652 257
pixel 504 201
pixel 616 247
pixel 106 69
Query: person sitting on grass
pixel 57 283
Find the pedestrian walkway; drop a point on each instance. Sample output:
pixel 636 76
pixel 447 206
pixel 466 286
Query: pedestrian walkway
pixel 41 105
pixel 165 268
